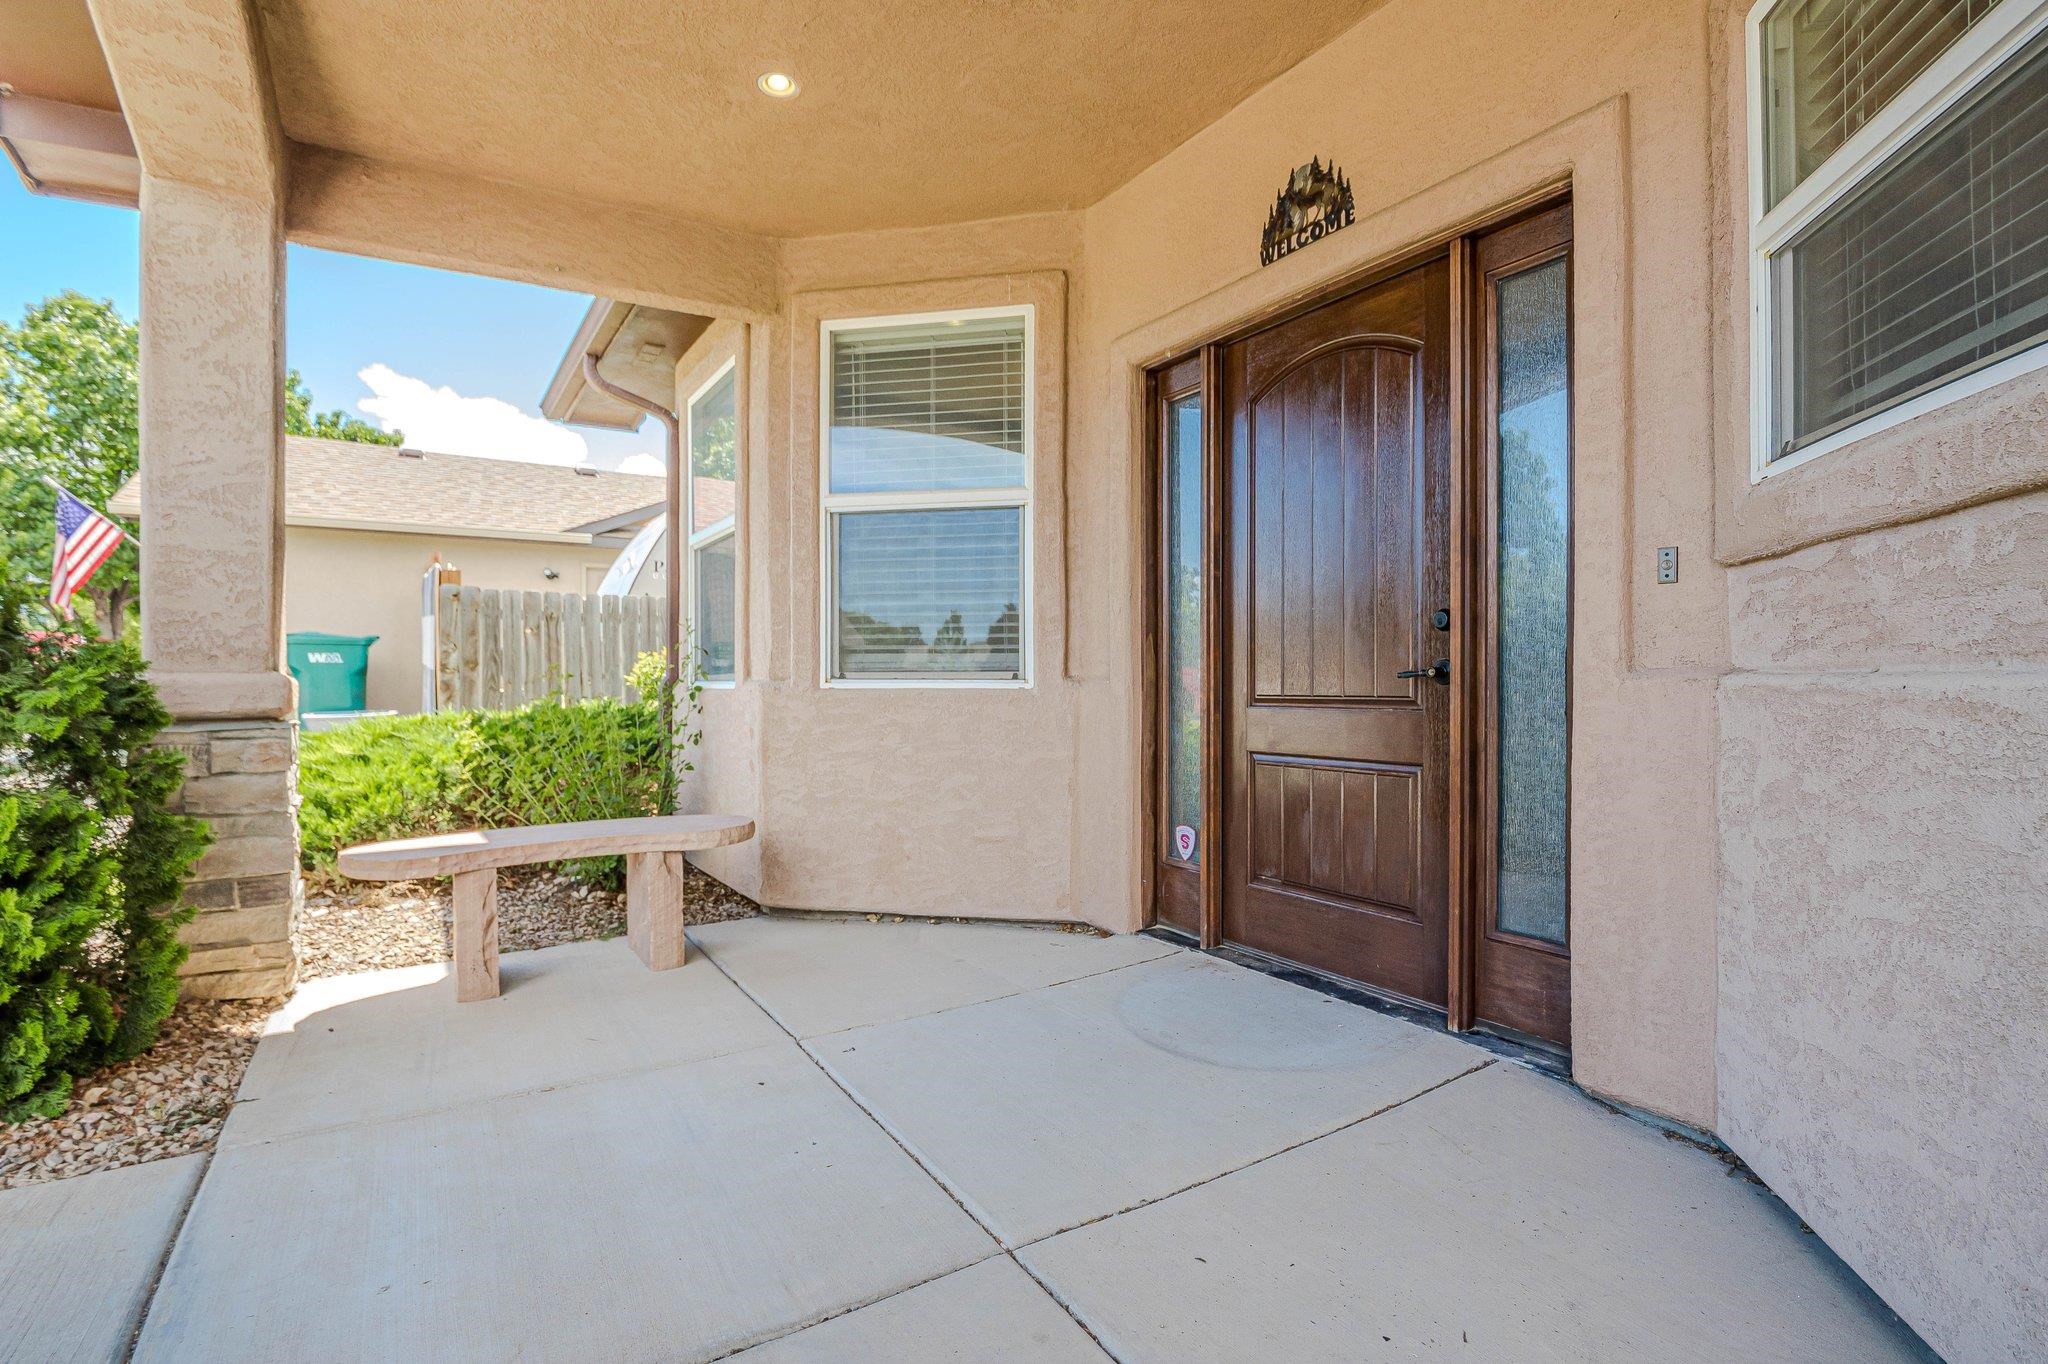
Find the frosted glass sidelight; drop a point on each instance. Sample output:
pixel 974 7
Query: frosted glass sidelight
pixel 1534 529
pixel 1183 609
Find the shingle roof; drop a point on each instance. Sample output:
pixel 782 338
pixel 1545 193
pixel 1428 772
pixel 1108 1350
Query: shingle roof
pixel 334 480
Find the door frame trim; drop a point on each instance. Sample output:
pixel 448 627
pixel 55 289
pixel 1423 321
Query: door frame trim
pixel 1467 731
pixel 1481 554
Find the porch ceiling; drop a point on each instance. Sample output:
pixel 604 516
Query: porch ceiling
pixel 911 111
pixel 48 51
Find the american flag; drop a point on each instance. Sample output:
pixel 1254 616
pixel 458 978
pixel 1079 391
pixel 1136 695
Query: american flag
pixel 85 540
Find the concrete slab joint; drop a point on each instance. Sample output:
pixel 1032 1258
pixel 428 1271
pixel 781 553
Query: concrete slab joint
pixel 241 777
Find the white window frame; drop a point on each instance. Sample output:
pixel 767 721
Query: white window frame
pixel 717 530
pixel 1974 58
pixel 831 504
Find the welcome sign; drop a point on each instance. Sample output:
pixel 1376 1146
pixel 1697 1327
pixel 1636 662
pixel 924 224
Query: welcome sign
pixel 1316 202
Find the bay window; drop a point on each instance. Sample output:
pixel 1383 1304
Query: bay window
pixel 926 455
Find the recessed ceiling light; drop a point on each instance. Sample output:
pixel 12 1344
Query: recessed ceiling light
pixel 777 85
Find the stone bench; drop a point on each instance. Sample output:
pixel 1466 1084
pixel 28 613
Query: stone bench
pixel 653 849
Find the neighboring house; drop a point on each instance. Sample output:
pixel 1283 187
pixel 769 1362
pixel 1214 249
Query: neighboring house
pixel 364 522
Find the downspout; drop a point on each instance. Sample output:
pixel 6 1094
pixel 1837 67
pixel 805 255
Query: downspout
pixel 672 427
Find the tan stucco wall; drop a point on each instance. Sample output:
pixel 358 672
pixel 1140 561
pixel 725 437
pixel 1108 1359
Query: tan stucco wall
pixel 1883 920
pixel 1838 731
pixel 1884 915
pixel 359 582
pixel 861 792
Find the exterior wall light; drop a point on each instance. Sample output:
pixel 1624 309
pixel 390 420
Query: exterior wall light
pixel 777 85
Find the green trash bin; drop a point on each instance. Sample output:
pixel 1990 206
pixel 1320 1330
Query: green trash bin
pixel 330 669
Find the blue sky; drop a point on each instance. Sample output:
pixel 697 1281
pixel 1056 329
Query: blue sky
pixel 439 346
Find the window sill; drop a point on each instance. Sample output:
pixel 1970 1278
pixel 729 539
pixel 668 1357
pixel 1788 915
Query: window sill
pixel 1974 448
pixel 926 684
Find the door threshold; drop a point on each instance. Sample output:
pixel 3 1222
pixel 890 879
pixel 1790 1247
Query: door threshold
pixel 1535 1055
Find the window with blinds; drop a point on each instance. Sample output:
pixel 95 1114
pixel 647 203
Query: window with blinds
pixel 1936 266
pixel 930 405
pixel 1930 266
pixel 1831 65
pixel 927 499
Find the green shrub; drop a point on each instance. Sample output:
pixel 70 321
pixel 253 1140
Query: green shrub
pixel 388 777
pixel 545 763
pixel 90 857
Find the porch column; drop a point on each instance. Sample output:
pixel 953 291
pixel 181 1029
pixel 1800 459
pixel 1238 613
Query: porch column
pixel 211 418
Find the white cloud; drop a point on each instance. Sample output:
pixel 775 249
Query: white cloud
pixel 450 423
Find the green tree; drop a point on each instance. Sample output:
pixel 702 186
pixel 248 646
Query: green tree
pixel 67 412
pixel 715 451
pixel 90 858
pixel 301 420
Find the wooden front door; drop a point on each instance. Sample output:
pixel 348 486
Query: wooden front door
pixel 1337 710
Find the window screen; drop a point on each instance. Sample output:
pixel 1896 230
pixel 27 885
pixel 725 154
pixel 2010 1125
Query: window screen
pixel 1936 265
pixel 713 569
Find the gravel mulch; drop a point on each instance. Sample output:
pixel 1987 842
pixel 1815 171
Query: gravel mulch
pixel 368 926
pixel 171 1100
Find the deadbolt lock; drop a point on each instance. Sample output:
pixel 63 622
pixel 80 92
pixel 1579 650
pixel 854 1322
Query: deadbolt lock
pixel 1440 619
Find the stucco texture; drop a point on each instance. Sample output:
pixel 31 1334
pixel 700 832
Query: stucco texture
pixel 1884 946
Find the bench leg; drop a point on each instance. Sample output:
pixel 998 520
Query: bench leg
pixel 476 935
pixel 654 909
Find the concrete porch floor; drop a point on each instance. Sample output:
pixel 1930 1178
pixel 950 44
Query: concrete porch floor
pixel 845 1141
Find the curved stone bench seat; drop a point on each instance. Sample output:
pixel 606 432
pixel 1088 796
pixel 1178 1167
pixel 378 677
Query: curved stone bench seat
pixel 652 846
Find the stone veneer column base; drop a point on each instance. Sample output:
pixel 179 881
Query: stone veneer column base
pixel 241 777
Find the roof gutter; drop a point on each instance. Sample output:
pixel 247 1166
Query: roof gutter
pixel 68 150
pixel 672 430
pixel 601 323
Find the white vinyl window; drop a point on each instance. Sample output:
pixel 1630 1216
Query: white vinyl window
pixel 926 479
pixel 710 509
pixel 1899 212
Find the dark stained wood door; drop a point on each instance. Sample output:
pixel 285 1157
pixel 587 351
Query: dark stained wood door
pixel 1337 795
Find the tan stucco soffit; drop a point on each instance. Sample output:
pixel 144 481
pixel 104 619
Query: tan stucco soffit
pixel 453 222
pixel 626 522
pixel 637 347
pixel 69 150
pixel 195 86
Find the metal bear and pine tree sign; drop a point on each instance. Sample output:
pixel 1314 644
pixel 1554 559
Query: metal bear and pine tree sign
pixel 1316 202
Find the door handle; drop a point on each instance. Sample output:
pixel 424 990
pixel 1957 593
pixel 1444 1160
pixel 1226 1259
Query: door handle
pixel 1439 671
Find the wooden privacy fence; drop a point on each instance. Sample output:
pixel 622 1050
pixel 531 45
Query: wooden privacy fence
pixel 496 649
